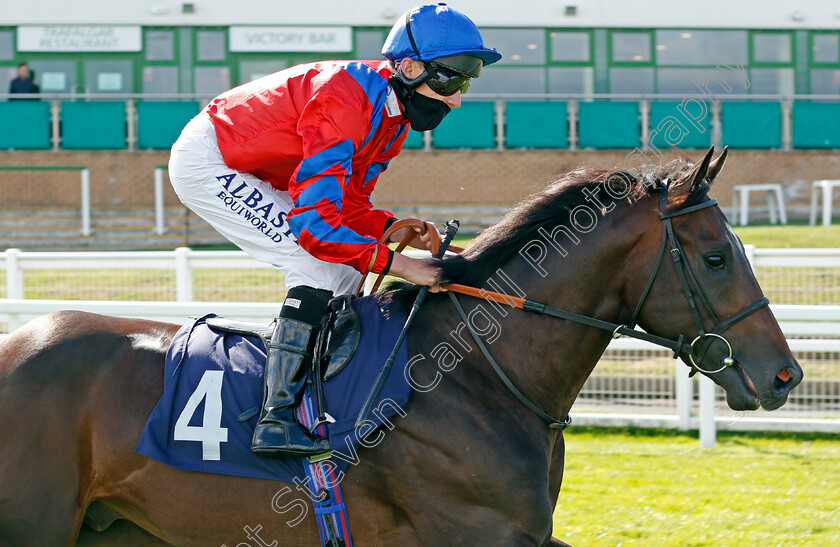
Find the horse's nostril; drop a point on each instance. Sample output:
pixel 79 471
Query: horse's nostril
pixel 783 383
pixel 784 375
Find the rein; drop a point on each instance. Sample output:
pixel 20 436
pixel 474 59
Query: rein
pixel 691 290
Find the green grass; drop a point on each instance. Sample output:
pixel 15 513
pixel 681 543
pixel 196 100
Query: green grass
pixel 796 234
pixel 632 487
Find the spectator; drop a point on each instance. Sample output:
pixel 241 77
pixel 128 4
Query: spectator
pixel 24 83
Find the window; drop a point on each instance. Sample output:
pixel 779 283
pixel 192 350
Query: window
pixel 504 79
pixel 517 46
pixel 701 81
pixel 160 45
pixel 251 70
pixel 160 79
pixel 56 76
pixel 772 81
pixel 369 44
pixel 10 73
pixel 771 47
pixel 211 80
pixel 826 48
pixel 570 47
pixel 109 76
pixel 7 48
pixel 825 81
pixel 631 47
pixel 631 80
pixel 211 45
pixel 701 47
pixel 570 80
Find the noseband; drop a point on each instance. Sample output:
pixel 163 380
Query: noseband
pixel 695 351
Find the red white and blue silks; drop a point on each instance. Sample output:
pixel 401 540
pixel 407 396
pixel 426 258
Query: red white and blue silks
pixel 324 132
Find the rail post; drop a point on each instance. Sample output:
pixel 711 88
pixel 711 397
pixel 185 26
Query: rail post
pixel 85 176
pixel 572 113
pixel 14 277
pixel 160 229
pixel 14 284
pixel 707 412
pixel 183 275
pixel 55 124
pixel 499 109
pixel 683 396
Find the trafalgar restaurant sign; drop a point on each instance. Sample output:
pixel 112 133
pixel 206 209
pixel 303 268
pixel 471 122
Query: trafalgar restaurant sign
pixel 79 38
pixel 273 39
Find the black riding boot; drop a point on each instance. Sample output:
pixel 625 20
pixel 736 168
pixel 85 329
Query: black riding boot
pixel 278 433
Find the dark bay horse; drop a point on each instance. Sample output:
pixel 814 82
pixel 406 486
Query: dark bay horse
pixel 468 464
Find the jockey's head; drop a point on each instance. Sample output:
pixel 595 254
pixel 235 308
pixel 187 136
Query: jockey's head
pixel 437 46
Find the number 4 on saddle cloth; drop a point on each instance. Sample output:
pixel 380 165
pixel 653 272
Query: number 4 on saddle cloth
pixel 213 388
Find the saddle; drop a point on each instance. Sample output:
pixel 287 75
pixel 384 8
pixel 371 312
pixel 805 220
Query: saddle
pixel 337 341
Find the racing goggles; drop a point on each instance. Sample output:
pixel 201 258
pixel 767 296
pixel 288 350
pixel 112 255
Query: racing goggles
pixel 449 75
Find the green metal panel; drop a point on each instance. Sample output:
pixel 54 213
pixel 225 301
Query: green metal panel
pixel 413 140
pixel 160 123
pixel 93 125
pixel 26 123
pixel 608 125
pixel 751 125
pixel 471 126
pixel 816 125
pixel 530 124
pixel 681 125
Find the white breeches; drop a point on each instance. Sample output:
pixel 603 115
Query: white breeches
pixel 249 212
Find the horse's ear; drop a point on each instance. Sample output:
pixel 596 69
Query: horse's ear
pixel 697 175
pixel 717 165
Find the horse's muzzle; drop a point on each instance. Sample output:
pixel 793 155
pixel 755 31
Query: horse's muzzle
pixel 788 377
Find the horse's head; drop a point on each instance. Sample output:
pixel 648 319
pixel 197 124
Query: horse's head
pixel 704 290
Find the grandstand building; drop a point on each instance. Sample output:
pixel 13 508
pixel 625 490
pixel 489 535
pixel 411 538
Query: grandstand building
pixel 581 82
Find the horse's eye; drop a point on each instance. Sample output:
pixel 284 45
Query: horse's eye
pixel 715 261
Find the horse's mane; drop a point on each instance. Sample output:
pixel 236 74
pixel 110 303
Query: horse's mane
pixel 499 243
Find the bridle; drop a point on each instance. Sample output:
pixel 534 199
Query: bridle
pixel 679 347
pixel 689 281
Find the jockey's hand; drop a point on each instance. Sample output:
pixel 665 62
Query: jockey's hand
pixel 417 271
pixel 419 241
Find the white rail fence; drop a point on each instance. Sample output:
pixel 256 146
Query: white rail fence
pixel 634 384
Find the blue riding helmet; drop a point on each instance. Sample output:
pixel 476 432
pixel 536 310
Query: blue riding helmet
pixel 438 31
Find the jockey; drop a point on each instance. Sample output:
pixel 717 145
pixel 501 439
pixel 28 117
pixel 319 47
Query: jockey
pixel 284 167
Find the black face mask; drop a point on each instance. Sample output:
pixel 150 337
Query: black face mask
pixel 423 113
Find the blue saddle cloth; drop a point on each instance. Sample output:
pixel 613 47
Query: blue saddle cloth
pixel 211 378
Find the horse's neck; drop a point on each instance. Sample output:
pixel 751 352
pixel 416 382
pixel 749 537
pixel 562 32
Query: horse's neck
pixel 547 358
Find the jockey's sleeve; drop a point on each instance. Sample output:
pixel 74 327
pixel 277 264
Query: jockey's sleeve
pixel 332 127
pixel 358 212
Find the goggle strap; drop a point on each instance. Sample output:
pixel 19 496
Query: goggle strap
pixel 410 36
